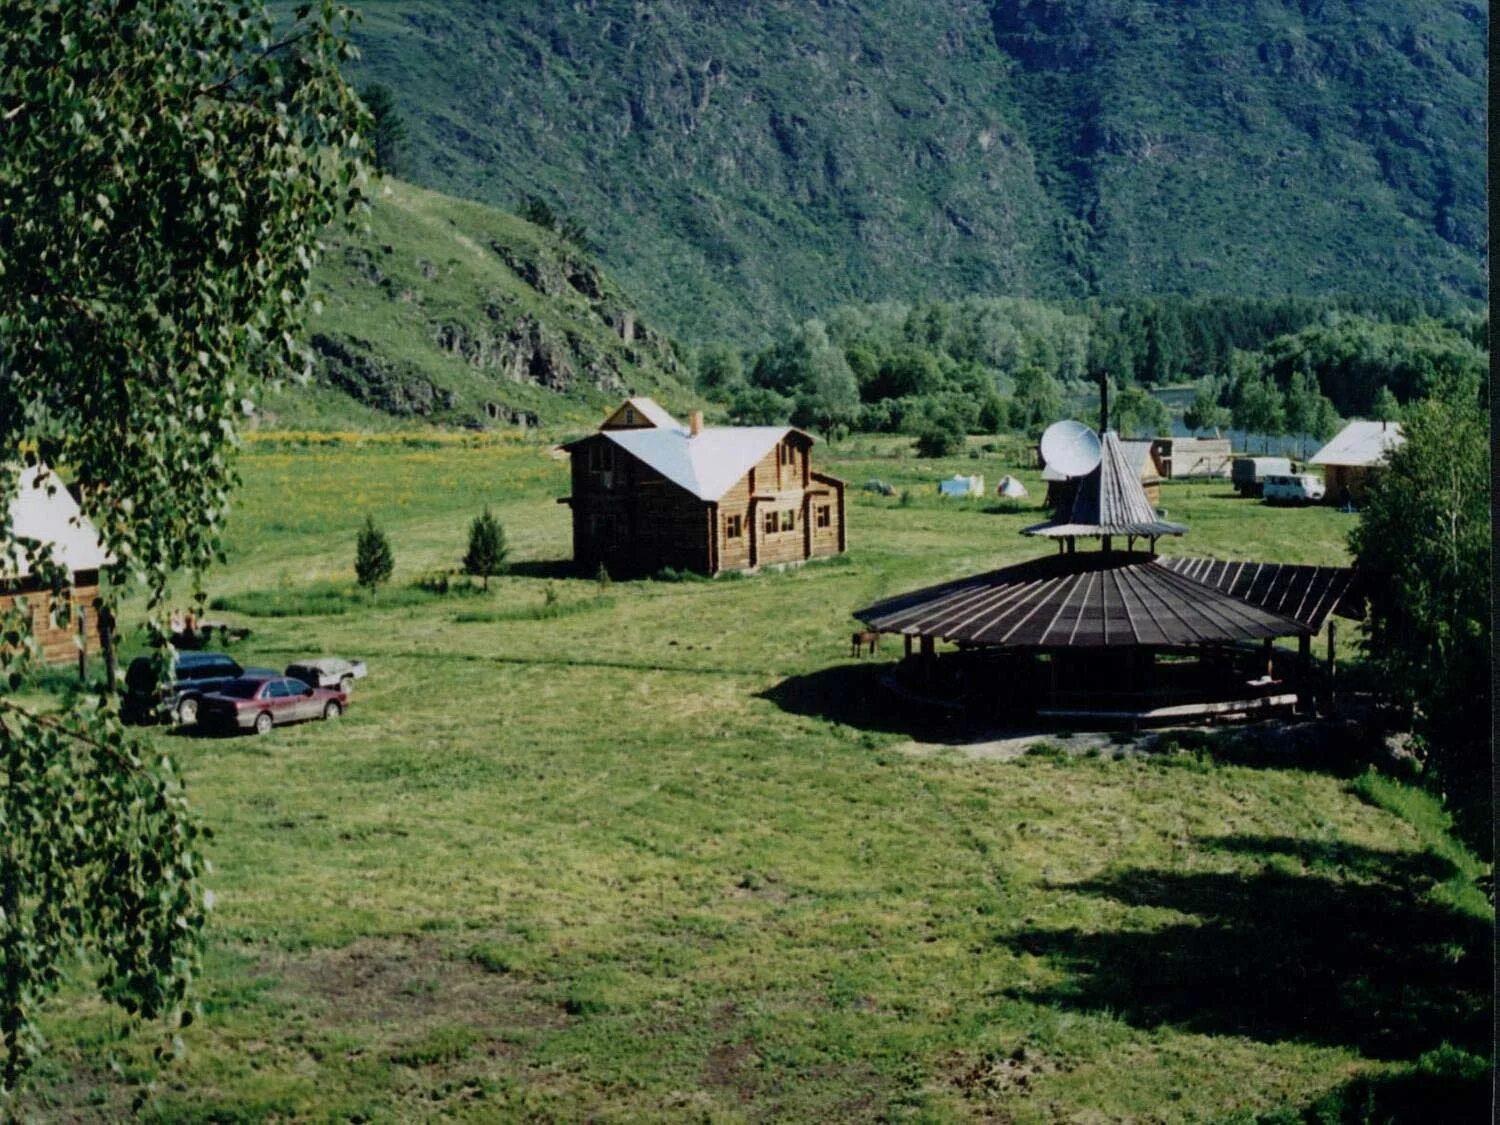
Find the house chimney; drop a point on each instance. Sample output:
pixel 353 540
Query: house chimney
pixel 695 423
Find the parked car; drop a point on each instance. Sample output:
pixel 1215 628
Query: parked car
pixel 1249 473
pixel 259 703
pixel 194 674
pixel 329 672
pixel 1294 488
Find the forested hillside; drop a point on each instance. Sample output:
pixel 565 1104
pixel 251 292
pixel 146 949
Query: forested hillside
pixel 740 166
pixel 455 313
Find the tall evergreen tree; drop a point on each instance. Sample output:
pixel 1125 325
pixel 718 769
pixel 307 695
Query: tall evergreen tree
pixel 488 549
pixel 373 560
pixel 387 129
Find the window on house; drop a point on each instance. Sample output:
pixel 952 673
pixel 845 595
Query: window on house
pixel 788 519
pixel 825 516
pixel 601 457
pixel 733 527
pixel 788 454
pixel 629 416
pixel 771 523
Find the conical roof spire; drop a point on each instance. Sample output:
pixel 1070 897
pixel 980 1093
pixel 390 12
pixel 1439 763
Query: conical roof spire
pixel 1110 501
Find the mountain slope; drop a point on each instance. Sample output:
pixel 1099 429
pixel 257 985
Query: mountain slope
pixel 451 312
pixel 740 164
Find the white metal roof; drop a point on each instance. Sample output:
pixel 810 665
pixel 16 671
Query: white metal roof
pixel 708 465
pixel 1360 443
pixel 44 509
pixel 654 413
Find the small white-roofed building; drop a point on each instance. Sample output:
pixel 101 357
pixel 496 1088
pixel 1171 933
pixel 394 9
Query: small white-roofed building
pixel 1351 459
pixel 43 510
pixel 651 493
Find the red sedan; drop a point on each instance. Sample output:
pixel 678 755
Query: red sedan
pixel 259 703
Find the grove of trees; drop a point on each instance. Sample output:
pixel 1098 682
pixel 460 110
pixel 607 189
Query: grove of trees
pixel 988 364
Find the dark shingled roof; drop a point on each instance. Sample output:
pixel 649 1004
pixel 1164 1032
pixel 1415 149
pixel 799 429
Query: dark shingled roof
pixel 1307 594
pixel 1091 599
pixel 1109 501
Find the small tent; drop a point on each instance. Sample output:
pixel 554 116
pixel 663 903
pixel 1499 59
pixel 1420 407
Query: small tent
pixel 1010 487
pixel 959 485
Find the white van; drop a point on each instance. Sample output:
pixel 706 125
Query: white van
pixel 1292 488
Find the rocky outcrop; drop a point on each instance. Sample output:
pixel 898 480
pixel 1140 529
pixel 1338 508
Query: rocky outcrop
pixel 351 365
pixel 526 351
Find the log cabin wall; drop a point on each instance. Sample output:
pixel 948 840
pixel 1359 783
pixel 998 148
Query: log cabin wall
pixel 826 505
pixel 736 529
pixel 780 502
pixel 630 518
pixel 59 645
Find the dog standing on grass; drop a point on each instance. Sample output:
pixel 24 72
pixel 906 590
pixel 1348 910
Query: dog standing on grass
pixel 868 638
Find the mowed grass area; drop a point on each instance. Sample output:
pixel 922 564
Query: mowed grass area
pixel 654 850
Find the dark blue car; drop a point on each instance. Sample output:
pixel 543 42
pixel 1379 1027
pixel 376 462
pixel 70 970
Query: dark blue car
pixel 194 674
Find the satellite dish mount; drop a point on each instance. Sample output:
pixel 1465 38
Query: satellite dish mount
pixel 1071 448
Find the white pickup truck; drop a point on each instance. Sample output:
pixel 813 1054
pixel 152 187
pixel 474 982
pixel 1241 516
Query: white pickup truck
pixel 329 672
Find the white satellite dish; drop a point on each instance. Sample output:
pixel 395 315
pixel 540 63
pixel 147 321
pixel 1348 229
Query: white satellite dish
pixel 1070 448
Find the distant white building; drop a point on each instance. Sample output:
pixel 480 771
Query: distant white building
pixel 1352 458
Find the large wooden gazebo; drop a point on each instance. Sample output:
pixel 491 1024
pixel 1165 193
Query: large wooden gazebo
pixel 1117 635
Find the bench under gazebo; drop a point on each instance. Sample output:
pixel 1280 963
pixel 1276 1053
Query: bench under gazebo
pixel 1117 636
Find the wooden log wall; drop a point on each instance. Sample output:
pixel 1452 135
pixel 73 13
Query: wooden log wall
pixel 60 645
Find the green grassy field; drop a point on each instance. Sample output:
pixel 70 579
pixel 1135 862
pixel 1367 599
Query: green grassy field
pixel 659 850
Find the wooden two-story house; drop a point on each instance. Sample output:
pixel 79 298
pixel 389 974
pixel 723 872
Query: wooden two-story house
pixel 651 493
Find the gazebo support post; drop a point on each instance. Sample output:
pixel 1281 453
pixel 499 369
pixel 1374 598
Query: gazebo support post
pixel 929 658
pixel 1268 648
pixel 1304 671
pixel 1333 632
pixel 907 638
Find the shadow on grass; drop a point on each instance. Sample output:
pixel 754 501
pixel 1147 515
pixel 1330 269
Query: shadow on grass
pixel 1373 965
pixel 1352 859
pixel 1444 1085
pixel 854 695
pixel 1340 749
pixel 546 568
pixel 1013 508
